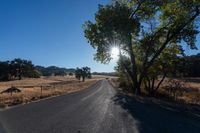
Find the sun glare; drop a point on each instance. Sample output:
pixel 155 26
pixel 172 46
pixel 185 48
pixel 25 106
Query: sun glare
pixel 114 52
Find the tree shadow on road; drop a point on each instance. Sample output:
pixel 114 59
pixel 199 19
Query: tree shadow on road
pixel 2 130
pixel 156 117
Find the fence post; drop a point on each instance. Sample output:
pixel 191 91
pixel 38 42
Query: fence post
pixel 41 89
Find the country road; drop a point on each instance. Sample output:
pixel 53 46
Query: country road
pixel 98 109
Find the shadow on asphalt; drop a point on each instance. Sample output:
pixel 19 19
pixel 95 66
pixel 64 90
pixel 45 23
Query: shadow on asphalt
pixel 2 130
pixel 157 118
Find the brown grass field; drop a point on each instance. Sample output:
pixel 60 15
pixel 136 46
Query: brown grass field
pixel 35 89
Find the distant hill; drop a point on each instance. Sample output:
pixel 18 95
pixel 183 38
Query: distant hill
pixel 105 73
pixel 53 70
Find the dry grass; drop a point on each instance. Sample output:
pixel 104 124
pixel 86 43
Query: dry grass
pixel 114 82
pixel 190 89
pixel 35 89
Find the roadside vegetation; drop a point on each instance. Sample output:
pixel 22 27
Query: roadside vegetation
pixel 149 36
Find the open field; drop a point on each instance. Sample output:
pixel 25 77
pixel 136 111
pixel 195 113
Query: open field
pixel 35 89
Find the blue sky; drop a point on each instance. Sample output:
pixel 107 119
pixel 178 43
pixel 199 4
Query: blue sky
pixel 49 32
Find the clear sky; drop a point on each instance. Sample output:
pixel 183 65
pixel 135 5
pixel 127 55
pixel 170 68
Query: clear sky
pixel 49 32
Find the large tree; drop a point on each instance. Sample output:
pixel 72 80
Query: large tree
pixel 22 68
pixel 145 26
pixel 17 68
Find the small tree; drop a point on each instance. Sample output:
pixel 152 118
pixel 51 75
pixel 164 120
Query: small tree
pixel 71 74
pixel 175 88
pixel 78 73
pixel 83 73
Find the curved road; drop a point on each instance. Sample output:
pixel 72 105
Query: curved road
pixel 98 109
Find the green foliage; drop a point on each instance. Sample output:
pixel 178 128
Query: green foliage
pixel 180 19
pixel 83 73
pixel 125 81
pixel 17 68
pixel 5 71
pixel 113 25
pixel 78 73
pixel 148 32
pixel 71 74
pixel 161 67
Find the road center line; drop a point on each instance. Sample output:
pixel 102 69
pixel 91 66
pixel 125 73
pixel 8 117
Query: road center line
pixel 85 98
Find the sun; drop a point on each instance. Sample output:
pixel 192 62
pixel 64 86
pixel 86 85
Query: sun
pixel 115 52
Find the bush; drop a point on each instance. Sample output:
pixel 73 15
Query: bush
pixel 175 88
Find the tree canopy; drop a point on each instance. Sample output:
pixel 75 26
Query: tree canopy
pixel 17 68
pixel 145 32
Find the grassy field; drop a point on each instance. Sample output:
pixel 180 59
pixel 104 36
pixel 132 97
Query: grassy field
pixel 35 89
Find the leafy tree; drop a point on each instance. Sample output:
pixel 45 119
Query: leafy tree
pixel 144 27
pixel 71 74
pixel 25 68
pixel 78 73
pixel 83 73
pixel 5 71
pixel 162 67
pixel 121 72
pixel 17 68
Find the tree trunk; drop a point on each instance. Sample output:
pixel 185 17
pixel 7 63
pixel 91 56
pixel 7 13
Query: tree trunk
pixel 163 78
pixel 83 79
pixel 152 87
pixel 128 71
pixel 136 86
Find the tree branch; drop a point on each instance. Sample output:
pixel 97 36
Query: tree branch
pixel 125 66
pixel 165 74
pixel 137 9
pixel 169 38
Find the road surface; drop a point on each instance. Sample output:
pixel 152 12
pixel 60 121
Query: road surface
pixel 98 109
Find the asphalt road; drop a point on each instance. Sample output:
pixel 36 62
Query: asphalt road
pixel 98 109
